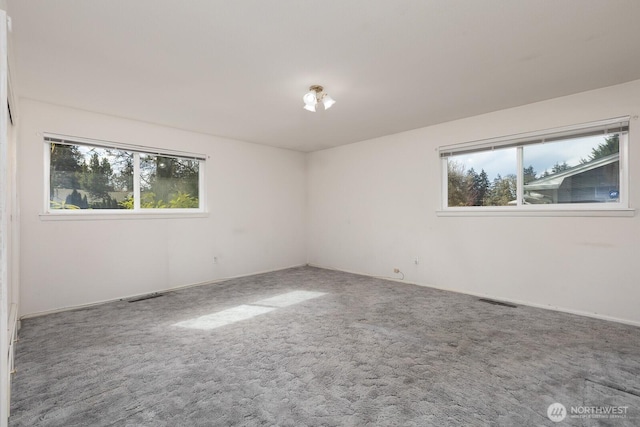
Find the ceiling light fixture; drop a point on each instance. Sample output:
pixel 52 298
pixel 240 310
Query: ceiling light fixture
pixel 315 96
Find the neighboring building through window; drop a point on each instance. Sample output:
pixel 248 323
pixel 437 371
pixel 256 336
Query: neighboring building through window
pixel 578 166
pixel 95 175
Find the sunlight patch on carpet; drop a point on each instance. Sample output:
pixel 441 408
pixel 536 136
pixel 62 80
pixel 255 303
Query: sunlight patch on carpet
pixel 248 311
pixel 290 298
pixel 225 317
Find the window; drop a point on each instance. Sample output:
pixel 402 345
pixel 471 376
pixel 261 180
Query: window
pixel 87 175
pixel 573 168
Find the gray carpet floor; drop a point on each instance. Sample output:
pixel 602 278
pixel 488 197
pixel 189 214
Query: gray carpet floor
pixel 365 352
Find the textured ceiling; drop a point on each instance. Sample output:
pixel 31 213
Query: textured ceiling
pixel 238 69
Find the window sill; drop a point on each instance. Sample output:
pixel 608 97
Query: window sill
pixel 99 216
pixel 528 212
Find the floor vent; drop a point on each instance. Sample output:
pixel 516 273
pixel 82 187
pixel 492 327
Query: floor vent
pixel 494 302
pixel 145 297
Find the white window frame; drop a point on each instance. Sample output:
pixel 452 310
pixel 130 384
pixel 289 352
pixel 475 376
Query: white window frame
pixel 137 211
pixel 519 141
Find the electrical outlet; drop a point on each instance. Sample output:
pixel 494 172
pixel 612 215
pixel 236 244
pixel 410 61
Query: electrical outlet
pixel 215 259
pixel 396 270
pixel 416 261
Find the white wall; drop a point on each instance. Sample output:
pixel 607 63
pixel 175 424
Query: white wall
pixel 372 207
pixel 367 207
pixel 256 199
pixel 6 192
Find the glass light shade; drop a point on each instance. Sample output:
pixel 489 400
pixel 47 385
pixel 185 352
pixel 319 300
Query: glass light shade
pixel 328 102
pixel 310 107
pixel 310 98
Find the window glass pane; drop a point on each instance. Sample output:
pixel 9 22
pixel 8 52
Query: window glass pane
pixel 168 182
pixel 486 178
pixel 580 170
pixel 84 177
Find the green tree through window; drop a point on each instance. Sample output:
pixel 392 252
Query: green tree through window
pixel 90 177
pixel 580 166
